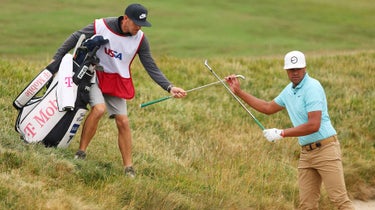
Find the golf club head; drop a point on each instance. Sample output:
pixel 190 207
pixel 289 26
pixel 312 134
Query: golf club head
pixel 240 76
pixel 206 64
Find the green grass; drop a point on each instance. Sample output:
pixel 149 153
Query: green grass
pixel 203 151
pixel 201 29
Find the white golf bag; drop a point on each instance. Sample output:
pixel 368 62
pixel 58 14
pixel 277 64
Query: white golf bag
pixel 55 117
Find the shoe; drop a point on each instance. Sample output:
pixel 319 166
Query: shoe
pixel 80 155
pixel 130 172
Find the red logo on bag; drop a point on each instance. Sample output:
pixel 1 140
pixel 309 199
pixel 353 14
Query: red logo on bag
pixel 68 81
pixel 41 118
pixel 38 83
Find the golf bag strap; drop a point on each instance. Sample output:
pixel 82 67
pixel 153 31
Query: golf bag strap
pixel 32 88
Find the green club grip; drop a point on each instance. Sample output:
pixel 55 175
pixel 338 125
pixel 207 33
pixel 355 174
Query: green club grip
pixel 155 101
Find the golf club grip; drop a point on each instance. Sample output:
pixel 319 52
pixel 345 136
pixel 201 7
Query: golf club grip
pixel 155 101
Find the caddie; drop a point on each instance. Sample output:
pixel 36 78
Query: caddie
pixel 115 83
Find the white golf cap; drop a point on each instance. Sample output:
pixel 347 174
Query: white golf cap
pixel 294 60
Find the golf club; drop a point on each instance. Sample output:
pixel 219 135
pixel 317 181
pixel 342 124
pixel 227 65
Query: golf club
pixel 230 91
pixel 197 88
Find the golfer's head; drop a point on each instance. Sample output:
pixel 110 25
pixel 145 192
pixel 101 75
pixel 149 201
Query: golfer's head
pixel 138 14
pixel 294 60
pixel 295 65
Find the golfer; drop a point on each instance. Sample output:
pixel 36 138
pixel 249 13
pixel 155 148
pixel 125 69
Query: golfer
pixel 320 159
pixel 114 81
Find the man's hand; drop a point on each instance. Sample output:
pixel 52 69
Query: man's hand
pixel 178 92
pixel 233 83
pixel 273 134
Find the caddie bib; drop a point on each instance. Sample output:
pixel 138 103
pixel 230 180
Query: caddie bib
pixel 116 57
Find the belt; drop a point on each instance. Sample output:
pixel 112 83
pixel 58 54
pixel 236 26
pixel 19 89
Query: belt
pixel 317 144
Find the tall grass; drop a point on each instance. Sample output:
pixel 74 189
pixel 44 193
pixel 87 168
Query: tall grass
pixel 200 152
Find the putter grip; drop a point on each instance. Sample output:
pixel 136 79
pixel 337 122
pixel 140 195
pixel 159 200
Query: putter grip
pixel 155 101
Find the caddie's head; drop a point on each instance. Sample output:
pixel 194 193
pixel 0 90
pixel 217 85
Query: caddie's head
pixel 138 14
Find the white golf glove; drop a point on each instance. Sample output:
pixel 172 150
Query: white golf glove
pixel 273 134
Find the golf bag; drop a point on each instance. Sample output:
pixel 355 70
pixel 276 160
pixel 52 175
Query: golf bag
pixel 55 117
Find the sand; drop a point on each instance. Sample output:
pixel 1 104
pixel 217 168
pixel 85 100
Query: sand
pixel 364 205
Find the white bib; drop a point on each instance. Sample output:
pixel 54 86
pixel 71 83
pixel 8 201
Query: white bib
pixel 117 55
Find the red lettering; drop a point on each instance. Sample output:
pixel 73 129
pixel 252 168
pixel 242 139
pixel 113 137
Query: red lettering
pixel 68 81
pixel 46 75
pixel 108 52
pixel 44 115
pixel 53 103
pixel 35 87
pixel 50 111
pixel 29 130
pixel 42 119
pixel 38 83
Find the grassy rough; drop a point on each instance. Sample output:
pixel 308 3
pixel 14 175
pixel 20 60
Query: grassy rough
pixel 203 151
pixel 200 152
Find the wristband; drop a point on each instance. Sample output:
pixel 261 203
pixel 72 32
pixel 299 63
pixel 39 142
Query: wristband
pixel 169 88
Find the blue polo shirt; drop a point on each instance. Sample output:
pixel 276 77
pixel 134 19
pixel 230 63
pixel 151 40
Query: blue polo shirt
pixel 306 97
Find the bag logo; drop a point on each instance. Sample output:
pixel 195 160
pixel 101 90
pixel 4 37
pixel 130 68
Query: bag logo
pixel 37 84
pixel 68 81
pixel 41 118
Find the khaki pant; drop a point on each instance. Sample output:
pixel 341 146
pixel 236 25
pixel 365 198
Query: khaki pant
pixel 322 165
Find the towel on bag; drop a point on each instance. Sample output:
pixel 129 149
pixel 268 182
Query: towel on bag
pixel 66 92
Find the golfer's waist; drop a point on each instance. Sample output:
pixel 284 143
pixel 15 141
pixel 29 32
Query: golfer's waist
pixel 320 143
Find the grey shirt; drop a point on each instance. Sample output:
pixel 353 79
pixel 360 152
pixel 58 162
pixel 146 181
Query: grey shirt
pixel 113 23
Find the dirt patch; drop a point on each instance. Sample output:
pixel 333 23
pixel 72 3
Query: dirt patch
pixel 364 205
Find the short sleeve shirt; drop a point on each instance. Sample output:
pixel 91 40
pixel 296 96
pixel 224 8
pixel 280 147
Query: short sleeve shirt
pixel 307 96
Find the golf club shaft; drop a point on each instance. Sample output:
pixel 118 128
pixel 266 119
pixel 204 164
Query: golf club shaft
pixel 230 91
pixel 197 88
pixel 214 83
pixel 80 40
